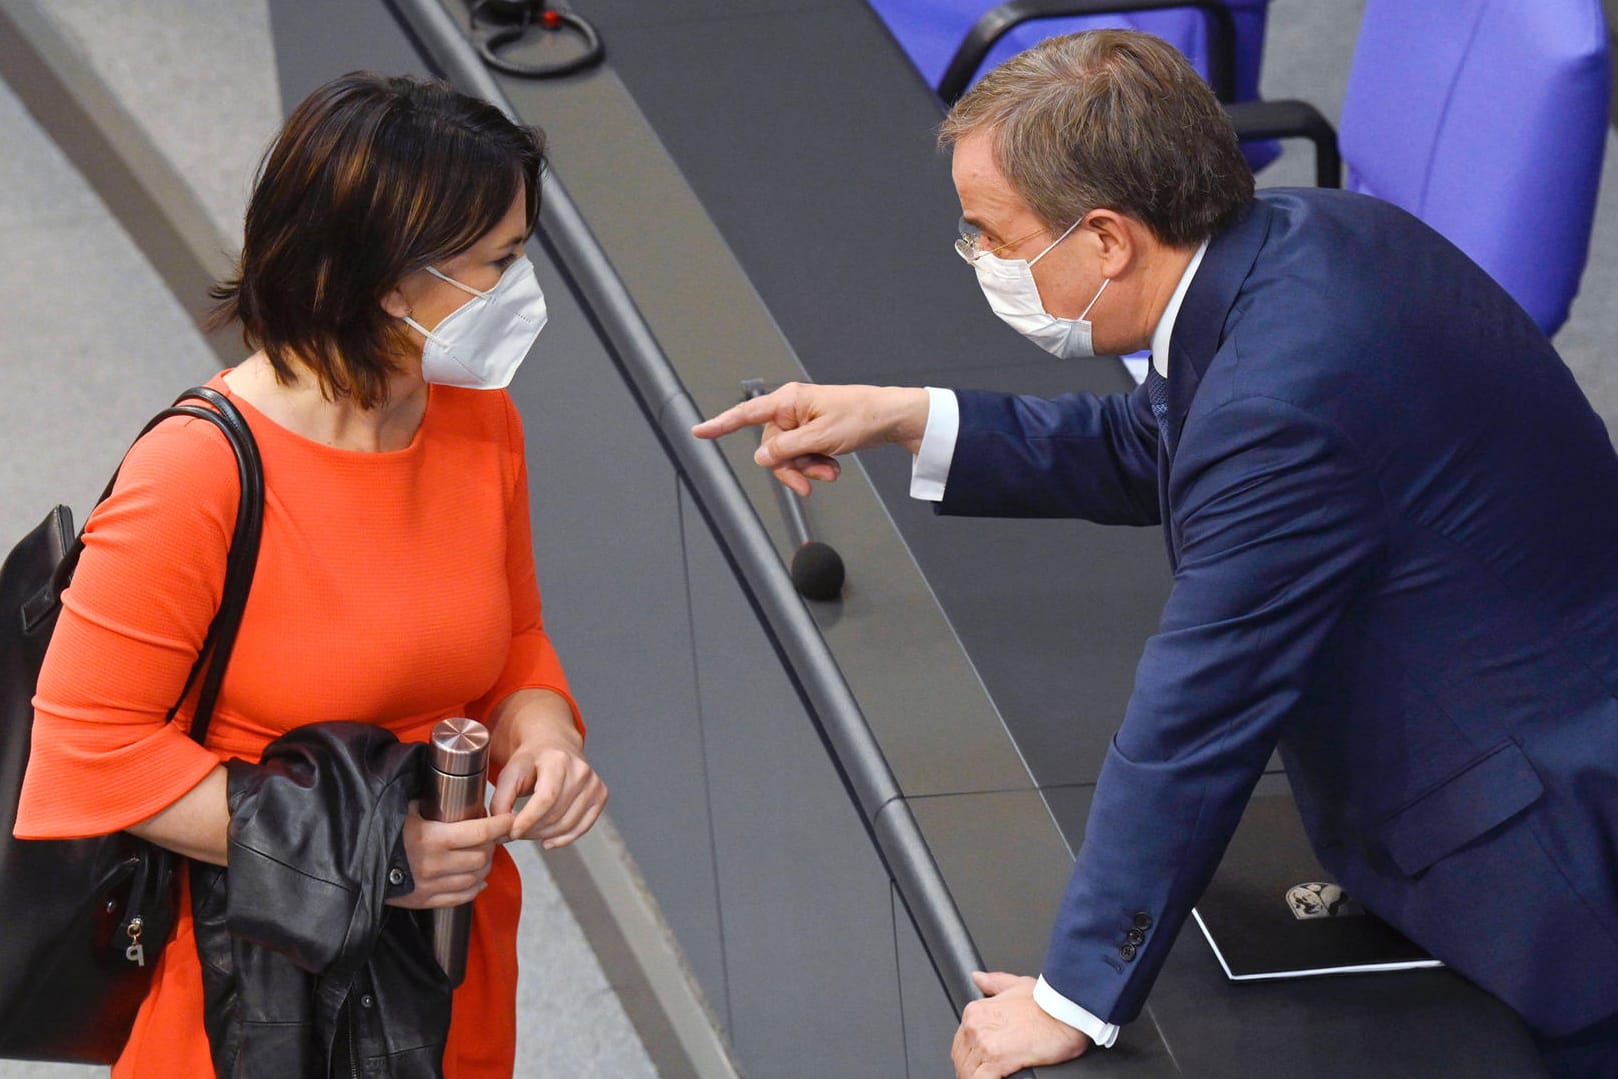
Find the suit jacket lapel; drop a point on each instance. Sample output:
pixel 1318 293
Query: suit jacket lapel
pixel 1198 333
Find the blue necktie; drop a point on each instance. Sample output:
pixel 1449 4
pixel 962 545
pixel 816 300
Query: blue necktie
pixel 1157 391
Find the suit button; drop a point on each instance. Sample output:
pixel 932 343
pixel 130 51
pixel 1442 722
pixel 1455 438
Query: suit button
pixel 1127 951
pixel 396 876
pixel 1143 921
pixel 1135 937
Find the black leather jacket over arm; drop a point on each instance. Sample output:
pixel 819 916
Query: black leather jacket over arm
pixel 306 971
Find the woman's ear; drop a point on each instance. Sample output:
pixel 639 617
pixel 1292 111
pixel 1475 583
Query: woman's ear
pixel 395 303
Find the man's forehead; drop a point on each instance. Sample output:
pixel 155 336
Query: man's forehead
pixel 987 197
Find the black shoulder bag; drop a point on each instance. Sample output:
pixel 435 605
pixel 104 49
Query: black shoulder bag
pixel 82 920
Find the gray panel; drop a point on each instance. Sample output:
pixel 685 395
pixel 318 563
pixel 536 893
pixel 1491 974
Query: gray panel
pixel 1007 867
pixel 841 208
pixel 803 898
pixel 315 43
pixel 929 1021
pixel 1054 615
pixel 607 540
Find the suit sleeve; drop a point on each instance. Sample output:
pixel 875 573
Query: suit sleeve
pixel 1281 528
pixel 531 662
pixel 1078 455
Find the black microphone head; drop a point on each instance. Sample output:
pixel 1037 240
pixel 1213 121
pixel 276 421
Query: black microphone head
pixel 817 571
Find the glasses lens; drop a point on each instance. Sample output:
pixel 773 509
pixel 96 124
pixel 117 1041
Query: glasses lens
pixel 966 245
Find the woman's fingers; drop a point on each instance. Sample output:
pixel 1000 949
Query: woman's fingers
pixel 567 813
pixel 450 861
pixel 446 894
pixel 456 863
pixel 574 827
pixel 550 777
pixel 480 833
pixel 566 791
pixel 516 778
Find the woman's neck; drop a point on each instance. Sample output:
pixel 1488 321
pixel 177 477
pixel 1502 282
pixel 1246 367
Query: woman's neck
pixel 305 411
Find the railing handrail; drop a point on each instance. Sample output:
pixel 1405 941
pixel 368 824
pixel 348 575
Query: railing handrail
pixel 841 723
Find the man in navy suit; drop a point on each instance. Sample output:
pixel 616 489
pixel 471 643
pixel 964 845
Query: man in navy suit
pixel 1392 519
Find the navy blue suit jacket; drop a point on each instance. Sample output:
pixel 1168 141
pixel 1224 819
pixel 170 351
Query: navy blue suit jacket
pixel 1393 523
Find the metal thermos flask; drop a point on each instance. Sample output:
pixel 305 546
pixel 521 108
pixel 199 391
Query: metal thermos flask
pixel 459 759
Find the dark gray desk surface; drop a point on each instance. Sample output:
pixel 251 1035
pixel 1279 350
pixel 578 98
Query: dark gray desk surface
pixel 809 140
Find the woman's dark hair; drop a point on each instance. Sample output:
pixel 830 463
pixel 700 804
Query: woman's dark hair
pixel 371 179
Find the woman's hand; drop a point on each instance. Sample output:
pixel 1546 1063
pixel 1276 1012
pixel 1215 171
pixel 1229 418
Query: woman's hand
pixel 565 796
pixel 541 757
pixel 449 861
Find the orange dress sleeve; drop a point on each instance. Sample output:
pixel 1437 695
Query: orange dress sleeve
pixel 132 623
pixel 532 662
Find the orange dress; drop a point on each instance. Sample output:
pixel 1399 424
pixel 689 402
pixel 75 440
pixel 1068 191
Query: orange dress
pixel 392 588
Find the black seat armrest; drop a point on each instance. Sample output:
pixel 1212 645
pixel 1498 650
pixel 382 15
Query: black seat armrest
pixel 1257 120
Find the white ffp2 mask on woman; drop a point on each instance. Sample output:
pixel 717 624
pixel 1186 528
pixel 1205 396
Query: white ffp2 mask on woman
pixel 481 344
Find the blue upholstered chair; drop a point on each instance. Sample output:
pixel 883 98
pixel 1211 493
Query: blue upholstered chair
pixel 1486 119
pixel 953 42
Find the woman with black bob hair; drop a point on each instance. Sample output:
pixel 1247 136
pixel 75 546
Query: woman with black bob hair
pixel 384 288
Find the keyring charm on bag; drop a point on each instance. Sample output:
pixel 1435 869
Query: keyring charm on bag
pixel 514 18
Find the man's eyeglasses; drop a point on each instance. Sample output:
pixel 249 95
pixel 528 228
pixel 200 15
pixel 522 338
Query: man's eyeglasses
pixel 969 244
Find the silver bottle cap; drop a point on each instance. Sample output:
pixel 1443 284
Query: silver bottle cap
pixel 460 746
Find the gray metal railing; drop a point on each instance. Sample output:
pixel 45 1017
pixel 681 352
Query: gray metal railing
pixel 567 238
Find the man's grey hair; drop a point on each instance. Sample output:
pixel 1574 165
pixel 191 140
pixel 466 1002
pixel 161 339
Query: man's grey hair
pixel 1115 119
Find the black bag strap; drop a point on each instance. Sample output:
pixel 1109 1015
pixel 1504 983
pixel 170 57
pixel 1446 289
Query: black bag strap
pixel 240 563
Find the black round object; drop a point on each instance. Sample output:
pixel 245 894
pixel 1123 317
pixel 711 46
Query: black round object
pixel 817 571
pixel 514 18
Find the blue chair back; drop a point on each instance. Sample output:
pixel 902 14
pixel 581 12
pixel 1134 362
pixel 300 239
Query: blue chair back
pixel 1486 119
pixel 930 31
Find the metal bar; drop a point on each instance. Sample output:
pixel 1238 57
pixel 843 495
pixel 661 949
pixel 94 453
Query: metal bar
pixel 566 236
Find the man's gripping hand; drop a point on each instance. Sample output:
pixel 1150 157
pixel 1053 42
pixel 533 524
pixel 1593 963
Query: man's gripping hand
pixel 807 426
pixel 1006 1031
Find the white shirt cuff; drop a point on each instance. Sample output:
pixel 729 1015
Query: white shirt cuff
pixel 930 469
pixel 1059 1007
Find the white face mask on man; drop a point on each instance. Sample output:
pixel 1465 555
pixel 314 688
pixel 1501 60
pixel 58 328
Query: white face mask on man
pixel 481 344
pixel 1009 286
